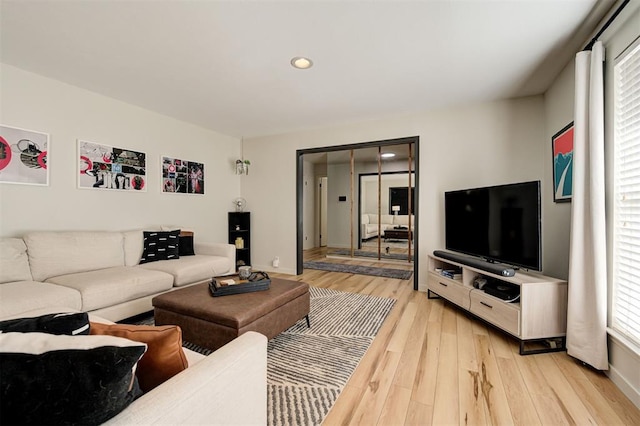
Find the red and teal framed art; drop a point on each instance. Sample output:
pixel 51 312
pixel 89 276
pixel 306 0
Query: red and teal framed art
pixel 562 149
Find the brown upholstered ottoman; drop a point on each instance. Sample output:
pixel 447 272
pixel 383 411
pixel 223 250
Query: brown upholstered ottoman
pixel 212 322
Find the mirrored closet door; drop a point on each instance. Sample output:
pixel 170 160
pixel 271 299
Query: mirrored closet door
pixel 362 202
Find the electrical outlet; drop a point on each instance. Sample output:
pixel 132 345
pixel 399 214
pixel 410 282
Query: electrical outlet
pixel 276 262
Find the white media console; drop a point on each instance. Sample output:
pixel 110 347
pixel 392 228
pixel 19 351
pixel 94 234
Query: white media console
pixel 539 316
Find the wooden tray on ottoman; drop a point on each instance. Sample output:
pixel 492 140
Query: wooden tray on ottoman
pixel 219 286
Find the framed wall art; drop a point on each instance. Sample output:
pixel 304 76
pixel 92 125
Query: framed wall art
pixel 110 168
pixel 182 176
pixel 562 149
pixel 23 156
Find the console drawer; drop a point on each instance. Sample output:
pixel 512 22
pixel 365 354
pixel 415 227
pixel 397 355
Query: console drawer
pixel 499 313
pixel 449 289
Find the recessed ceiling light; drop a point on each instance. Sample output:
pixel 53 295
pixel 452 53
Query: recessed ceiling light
pixel 301 63
pixel 387 155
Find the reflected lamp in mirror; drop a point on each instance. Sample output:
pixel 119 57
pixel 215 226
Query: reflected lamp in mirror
pixel 395 210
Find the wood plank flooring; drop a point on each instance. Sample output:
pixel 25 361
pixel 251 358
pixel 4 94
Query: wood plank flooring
pixel 433 364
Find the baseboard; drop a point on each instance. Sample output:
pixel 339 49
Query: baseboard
pixel 624 364
pixel 621 382
pixel 270 269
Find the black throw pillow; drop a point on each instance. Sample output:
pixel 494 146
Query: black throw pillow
pixel 65 323
pixel 186 245
pixel 57 380
pixel 160 245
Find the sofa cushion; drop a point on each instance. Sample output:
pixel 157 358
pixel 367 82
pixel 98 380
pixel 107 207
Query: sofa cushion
pixel 23 296
pixel 191 269
pixel 372 219
pixel 133 244
pixel 108 287
pixel 49 379
pixel 403 220
pixel 70 324
pixel 14 263
pixel 386 219
pixel 160 245
pixel 164 357
pixel 52 254
pixel 372 228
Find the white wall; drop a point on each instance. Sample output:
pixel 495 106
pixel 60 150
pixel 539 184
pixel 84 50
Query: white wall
pixel 556 217
pixel 624 361
pixel 67 113
pixel 340 215
pixel 476 145
pixel 339 212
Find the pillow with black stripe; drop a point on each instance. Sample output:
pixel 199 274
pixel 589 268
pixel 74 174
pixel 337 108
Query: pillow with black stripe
pixel 159 245
pixel 48 379
pixel 71 324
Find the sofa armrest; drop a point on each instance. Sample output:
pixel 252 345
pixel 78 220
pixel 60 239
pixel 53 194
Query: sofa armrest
pixel 227 387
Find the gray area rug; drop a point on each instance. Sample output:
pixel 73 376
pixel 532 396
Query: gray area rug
pixel 307 368
pixel 359 269
pixel 366 253
pixel 373 243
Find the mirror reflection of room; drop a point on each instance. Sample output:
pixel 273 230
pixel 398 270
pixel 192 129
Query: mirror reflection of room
pixel 362 202
pixel 390 226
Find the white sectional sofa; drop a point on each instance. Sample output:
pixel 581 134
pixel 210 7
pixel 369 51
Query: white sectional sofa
pixel 227 387
pixel 97 272
pixel 369 223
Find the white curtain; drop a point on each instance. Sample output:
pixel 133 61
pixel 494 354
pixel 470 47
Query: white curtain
pixel 587 307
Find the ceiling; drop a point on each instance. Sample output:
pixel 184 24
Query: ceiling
pixel 224 65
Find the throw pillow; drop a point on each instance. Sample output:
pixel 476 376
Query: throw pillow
pixel 160 245
pixel 67 323
pixel 49 379
pixel 185 247
pixel 164 357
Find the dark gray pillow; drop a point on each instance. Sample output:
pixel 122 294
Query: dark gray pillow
pixel 64 323
pixel 186 246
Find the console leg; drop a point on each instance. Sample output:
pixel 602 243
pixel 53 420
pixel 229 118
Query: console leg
pixel 308 322
pixel 432 295
pixel 552 344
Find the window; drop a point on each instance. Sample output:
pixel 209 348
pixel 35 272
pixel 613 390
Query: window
pixel 626 208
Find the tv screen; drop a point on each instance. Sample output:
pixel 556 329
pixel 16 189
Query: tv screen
pixel 498 223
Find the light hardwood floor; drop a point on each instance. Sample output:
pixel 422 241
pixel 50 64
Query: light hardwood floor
pixel 433 364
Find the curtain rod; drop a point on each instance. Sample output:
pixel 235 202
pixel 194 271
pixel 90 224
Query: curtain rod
pixel 606 25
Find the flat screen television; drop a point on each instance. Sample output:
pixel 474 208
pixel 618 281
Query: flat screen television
pixel 497 223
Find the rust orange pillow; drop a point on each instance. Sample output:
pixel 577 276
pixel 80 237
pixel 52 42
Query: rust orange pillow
pixel 164 357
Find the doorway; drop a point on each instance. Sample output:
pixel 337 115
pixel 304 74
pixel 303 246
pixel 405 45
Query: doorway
pixel 347 195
